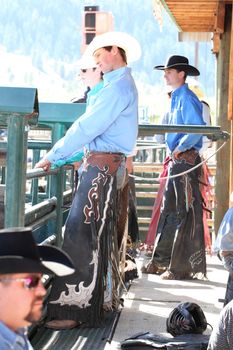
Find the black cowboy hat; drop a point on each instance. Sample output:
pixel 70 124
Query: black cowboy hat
pixel 181 63
pixel 19 253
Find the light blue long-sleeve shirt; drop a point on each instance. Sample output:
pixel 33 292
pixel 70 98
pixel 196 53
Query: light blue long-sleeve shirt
pixel 10 340
pixel 77 157
pixel 110 123
pixel 186 109
pixel 224 239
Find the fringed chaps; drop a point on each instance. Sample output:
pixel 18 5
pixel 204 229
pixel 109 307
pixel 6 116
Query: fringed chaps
pixel 87 239
pixel 180 245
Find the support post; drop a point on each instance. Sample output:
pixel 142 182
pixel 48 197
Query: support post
pixel 222 159
pixel 16 171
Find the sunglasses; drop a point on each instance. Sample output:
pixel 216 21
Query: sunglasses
pixel 30 282
pixel 85 70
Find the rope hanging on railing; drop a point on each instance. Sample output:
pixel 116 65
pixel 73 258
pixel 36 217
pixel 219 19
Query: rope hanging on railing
pixel 180 174
pixel 142 147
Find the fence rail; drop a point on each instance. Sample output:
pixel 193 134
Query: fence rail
pixel 20 111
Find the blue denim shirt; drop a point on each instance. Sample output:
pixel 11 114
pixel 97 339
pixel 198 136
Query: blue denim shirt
pixel 186 109
pixel 10 340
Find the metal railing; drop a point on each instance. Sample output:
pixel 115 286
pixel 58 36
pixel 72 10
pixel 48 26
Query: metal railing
pixel 20 111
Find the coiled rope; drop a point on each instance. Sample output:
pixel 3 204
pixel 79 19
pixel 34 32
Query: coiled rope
pixel 180 174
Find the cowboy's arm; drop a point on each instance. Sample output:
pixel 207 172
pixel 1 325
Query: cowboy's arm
pixel 85 129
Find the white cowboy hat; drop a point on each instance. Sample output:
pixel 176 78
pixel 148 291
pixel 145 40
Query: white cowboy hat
pixel 120 39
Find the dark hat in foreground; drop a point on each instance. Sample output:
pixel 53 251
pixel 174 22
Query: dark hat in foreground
pixel 181 63
pixel 19 253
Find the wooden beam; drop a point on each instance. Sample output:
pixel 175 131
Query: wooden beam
pixel 230 108
pixel 231 167
pixel 223 167
pixel 163 2
pixel 197 15
pixel 216 43
pixel 219 18
pixel 230 88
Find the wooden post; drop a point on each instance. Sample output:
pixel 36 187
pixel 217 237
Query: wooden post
pixel 223 159
pixel 231 167
pixel 230 108
pixel 230 88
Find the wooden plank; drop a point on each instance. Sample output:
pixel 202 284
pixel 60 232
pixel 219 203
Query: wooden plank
pixel 148 169
pixel 143 228
pixel 146 194
pixel 222 179
pixel 143 220
pixel 144 207
pixel 231 168
pixel 196 15
pixel 220 18
pixel 146 185
pixel 194 29
pixel 2 158
pixel 202 17
pixel 198 2
pixel 206 8
pixel 158 167
pixel 230 88
pixel 146 220
pixel 216 43
pixel 185 7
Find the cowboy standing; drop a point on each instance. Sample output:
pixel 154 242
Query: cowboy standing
pixel 179 251
pixel 22 264
pixel 108 131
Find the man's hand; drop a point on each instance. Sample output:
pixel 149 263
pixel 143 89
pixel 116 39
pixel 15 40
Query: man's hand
pixel 44 164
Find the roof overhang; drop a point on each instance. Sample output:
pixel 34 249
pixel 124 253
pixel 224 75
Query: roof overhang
pixel 193 18
pixel 197 16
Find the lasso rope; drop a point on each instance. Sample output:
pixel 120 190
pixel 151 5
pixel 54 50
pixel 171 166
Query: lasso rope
pixel 180 174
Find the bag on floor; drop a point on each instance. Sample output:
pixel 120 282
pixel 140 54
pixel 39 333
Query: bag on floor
pixel 145 341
